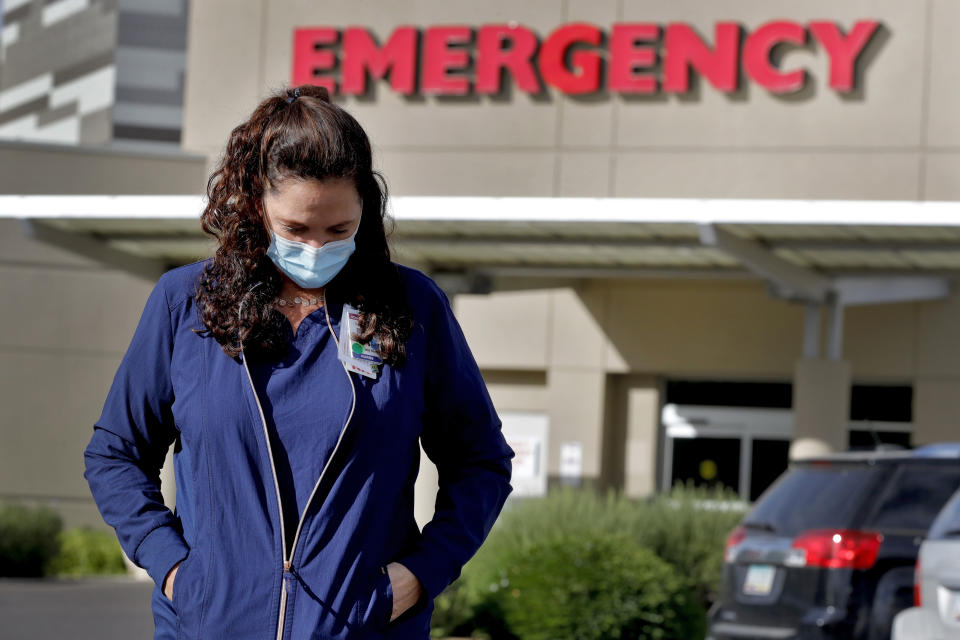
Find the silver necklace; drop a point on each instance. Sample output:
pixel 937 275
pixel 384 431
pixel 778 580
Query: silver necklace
pixel 301 300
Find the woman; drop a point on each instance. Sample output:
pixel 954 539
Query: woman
pixel 296 437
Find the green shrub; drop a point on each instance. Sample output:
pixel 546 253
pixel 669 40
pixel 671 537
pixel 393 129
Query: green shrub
pixel 28 539
pixel 456 615
pixel 686 529
pixel 598 587
pixel 85 551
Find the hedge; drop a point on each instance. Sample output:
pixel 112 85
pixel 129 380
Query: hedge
pixel 34 544
pixel 683 531
pixel 28 539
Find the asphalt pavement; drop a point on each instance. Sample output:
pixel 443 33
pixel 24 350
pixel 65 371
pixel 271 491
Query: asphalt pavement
pixel 108 608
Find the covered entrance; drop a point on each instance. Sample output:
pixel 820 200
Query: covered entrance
pixel 551 292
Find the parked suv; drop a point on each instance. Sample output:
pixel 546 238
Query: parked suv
pixel 936 611
pixel 829 550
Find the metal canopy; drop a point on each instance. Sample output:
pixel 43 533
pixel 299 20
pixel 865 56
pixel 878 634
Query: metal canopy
pixel 813 241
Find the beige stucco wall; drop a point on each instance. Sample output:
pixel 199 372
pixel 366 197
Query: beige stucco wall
pixel 712 329
pixel 898 140
pixel 46 169
pixel 65 325
pixel 66 320
pixel 699 328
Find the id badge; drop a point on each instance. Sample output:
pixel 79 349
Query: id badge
pixel 356 356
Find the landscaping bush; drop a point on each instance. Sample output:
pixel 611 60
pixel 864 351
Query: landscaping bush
pixel 85 551
pixel 685 529
pixel 457 615
pixel 598 587
pixel 688 529
pixel 28 539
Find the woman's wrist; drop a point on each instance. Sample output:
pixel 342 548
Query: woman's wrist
pixel 407 589
pixel 167 587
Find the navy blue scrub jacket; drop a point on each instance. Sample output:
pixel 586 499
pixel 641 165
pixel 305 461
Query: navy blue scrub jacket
pixel 174 386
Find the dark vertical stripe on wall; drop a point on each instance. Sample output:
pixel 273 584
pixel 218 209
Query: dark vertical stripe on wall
pixel 128 132
pixel 164 34
pixel 152 31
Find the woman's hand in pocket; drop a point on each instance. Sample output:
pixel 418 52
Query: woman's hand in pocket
pixel 168 582
pixel 407 588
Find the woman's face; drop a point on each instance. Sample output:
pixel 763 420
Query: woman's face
pixel 312 211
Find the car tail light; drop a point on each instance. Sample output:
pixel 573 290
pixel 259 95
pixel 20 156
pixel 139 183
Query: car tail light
pixel 736 537
pixel 835 549
pixel 917 597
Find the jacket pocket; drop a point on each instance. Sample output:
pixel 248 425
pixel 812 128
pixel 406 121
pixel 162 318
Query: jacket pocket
pixel 180 582
pixel 375 610
pixel 188 593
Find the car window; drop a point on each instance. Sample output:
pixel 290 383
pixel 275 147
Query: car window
pixel 915 496
pixel 814 497
pixel 947 523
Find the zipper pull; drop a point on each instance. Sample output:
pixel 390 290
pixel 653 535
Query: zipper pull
pixel 287 575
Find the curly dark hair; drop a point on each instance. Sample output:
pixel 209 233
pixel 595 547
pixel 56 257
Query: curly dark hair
pixel 297 133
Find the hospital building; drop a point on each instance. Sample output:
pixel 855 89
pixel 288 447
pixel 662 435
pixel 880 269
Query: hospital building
pixel 686 240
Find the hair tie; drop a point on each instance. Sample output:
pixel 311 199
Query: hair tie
pixel 296 94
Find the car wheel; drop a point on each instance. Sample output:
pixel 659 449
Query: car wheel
pixel 894 594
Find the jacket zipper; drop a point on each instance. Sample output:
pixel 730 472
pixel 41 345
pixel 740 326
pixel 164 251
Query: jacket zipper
pixel 288 561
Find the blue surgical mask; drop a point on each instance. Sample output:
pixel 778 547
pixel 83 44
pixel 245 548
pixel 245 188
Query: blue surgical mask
pixel 310 267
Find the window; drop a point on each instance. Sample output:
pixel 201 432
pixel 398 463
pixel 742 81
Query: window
pixel 770 460
pixel 915 496
pixel 947 523
pixel 708 462
pixel 815 497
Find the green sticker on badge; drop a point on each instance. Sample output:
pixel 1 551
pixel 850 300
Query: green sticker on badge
pixel 357 348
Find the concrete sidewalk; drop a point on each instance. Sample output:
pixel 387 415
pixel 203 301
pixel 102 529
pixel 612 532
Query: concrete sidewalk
pixel 107 608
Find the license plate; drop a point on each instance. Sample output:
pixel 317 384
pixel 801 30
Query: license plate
pixel 759 580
